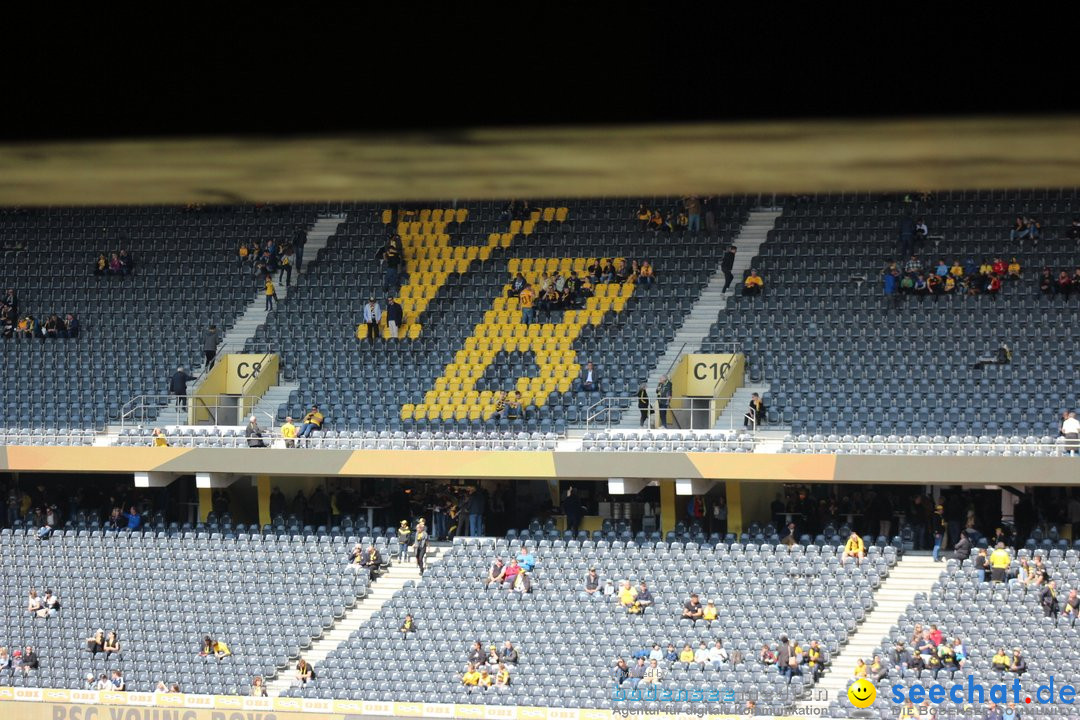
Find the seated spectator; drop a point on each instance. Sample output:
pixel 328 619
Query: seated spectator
pixel 96 643
pixel 496 573
pixel 1018 664
pixel 643 600
pixel 117 681
pixel 767 657
pixel 493 657
pixel 1048 599
pixel 214 648
pixel 26 327
pixel 621 672
pixel 627 594
pixel 69 327
pixel 526 559
pixel 407 626
pixel 656 221
pixel 517 284
pixel 753 284
pixel 90 683
pixel 522 583
pixel 158 439
pixel 510 574
pixel 305 673
pixel 470 678
pixel 999 267
pixel 127 264
pixel 920 287
pixel 1003 356
pixel 933 284
pixel 643 216
pixel 51 328
pixel 509 654
pixel 50 605
pixel 860 672
pixel 502 678
pixel 956 269
pixel 1064 284
pixel 1076 280
pixel 1073 233
pixel 718 656
pixel 103 683
pixel 101 265
pixel 513 406
pixel 817 660
pixel 373 561
pixel 646 274
pixel 592 584
pixel 921 230
pixel 941 269
pixel 701 655
pixel 112 645
pixel 948 285
pixel 709 613
pixel 313 421
pixel 687 655
pixel 33 603
pixel 590 378
pixel 1019 229
pixel 254 433
pixel 876 672
pixel 1014 269
pixel 1001 661
pixel 692 609
pixel 948 659
pixel 1072 607
pixel 476 655
pixel 29 660
pixel 258 687
pixel 854 548
pixel 115 266
pixel 913 266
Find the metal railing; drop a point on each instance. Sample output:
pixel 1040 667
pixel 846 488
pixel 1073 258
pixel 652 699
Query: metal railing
pixel 683 413
pixel 145 409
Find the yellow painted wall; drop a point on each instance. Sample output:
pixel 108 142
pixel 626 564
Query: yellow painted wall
pixel 705 375
pixel 206 503
pixel 262 483
pixel 669 506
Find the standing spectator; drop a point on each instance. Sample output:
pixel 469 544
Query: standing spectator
pixel 394 317
pixel 1048 599
pixel 710 204
pixel 477 509
pixel 755 415
pixel 1070 430
pixel 420 545
pixel 573 510
pixel 727 266
pixel 907 236
pixel 390 256
pixel 937 527
pixel 404 534
pixel 663 399
pixel 210 343
pixel 178 387
pixel 526 300
pixel 643 403
pixel 692 204
pixel 271 293
pixel 299 240
pixel 254 433
pixel 312 421
pixel 590 378
pixel 285 269
pixel 288 434
pixel 999 563
pixel 372 317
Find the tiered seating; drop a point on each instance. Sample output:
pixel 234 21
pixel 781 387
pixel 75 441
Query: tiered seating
pixel 135 329
pixel 1000 445
pixel 162 592
pixel 839 360
pixel 462 338
pixel 556 624
pixel 988 616
pixel 666 442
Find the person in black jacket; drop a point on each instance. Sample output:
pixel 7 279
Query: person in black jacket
pixel 1048 599
pixel 643 404
pixel 178 386
pixel 727 264
pixel 573 510
pixel 254 433
pixel 962 548
pixel 394 316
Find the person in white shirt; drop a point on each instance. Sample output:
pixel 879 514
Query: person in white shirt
pixel 1070 430
pixel 656 653
pixel 701 655
pixel 372 317
pixel 653 674
pixel 718 655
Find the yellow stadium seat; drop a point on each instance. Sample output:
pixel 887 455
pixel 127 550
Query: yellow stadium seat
pixel 535 215
pixel 515 227
pixel 461 215
pixel 561 213
pixel 506 240
pixel 434 412
pixel 483 253
pixel 361 331
pixel 447 412
pixel 407 411
pixel 527 227
pixel 522 384
pixel 618 304
pixel 387 216
pixel 564 385
pixel 475 412
pixel 549 214
pixel 419 412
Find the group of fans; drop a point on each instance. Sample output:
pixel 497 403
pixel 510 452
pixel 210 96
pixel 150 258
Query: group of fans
pixel 118 263
pixel 26 326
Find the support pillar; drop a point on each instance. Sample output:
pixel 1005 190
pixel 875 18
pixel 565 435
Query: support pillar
pixel 206 503
pixel 262 486
pixel 669 511
pixel 748 502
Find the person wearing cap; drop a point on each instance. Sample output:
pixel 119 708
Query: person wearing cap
pixel 493 656
pixel 404 533
pixel 592 584
pixel 937 526
pixel 709 613
pixel 372 317
pixel 312 421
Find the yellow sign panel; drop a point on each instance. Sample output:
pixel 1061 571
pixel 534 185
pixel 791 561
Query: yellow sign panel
pixel 704 373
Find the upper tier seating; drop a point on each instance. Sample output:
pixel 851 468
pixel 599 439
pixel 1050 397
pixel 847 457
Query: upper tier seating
pixel 556 624
pixel 136 329
pixel 163 591
pixel 840 360
pixel 462 341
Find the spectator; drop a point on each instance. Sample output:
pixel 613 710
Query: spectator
pixel 627 595
pixel 178 387
pixel 755 415
pixel 313 421
pixel 522 583
pixel 1064 284
pixel 854 548
pixel 592 584
pixel 513 406
pixel 1070 430
pixel 701 655
pixel 718 656
pixel 692 204
pixel 709 613
pixel 258 687
pixel 517 284
pixel 288 434
pixel 727 266
pixel 96 643
pixel 642 601
pixel 663 399
pixel 1018 664
pixel 285 268
pixel 214 648
pixel 420 545
pixel 394 317
pixel 502 678
pixel 372 318
pixel 692 609
pixel 907 235
pixel 477 512
pixel 646 274
pixel 753 284
pixel 526 300
pixel 404 534
pixel 476 655
pixel 510 573
pixel 116 680
pixel 496 573
pixel 999 563
pixel 271 292
pixel 590 378
pixel 643 216
pixel 643 404
pixel 254 433
pixel 1048 599
pixel 33 603
pixel 210 342
pixel 29 660
pixel 115 266
pixel 891 283
pixel 158 439
pixel 1019 229
pixel 1072 607
pixel 962 548
pixel 50 604
pixel 1014 269
pixel 112 645
pixel 687 655
pixel 1047 286
pixel 937 527
pixel 305 673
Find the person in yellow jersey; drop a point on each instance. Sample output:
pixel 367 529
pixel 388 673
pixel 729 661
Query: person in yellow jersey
pixel 999 563
pixel 271 293
pixel 470 678
pixel 710 612
pixel 288 433
pixel 526 300
pixel 854 548
pixel 502 678
pixel 159 438
pixel 627 594
pixel 687 655
pixel 753 284
pixel 312 421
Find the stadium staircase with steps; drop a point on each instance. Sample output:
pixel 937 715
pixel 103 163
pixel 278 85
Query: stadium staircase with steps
pixel 698 323
pixel 379 592
pixel 913 574
pixel 254 315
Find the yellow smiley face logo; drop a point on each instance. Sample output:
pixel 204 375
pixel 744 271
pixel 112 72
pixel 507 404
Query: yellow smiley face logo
pixel 861 693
